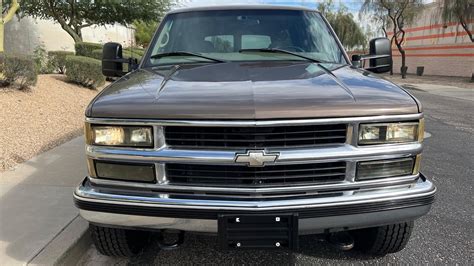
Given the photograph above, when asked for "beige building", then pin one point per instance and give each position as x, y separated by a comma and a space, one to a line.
441, 48
25, 35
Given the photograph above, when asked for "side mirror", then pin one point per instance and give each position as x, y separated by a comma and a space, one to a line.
112, 60
380, 56
357, 60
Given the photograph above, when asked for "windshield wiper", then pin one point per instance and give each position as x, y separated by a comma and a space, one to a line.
281, 51
182, 53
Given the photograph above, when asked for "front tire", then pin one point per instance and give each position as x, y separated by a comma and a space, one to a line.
383, 240
118, 242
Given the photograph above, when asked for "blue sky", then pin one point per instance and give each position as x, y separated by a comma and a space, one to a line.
352, 5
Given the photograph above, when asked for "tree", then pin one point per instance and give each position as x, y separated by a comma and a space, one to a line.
348, 31
8, 11
144, 32
458, 10
74, 15
399, 13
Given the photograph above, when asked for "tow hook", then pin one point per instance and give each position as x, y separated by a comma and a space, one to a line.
341, 240
179, 236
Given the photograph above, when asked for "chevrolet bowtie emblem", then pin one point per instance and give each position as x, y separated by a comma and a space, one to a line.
256, 158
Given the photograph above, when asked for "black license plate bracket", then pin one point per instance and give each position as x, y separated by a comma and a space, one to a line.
258, 231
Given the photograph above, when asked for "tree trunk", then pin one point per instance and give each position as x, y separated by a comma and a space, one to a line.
76, 35
11, 12
466, 28
1, 36
391, 45
74, 32
403, 69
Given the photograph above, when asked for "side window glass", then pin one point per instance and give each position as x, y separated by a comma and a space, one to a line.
221, 43
255, 41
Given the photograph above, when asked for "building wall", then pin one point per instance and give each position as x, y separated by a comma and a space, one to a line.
441, 48
23, 36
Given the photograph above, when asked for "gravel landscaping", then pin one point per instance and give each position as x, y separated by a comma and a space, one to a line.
34, 121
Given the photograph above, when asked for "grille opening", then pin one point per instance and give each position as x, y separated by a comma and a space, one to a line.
255, 137
243, 176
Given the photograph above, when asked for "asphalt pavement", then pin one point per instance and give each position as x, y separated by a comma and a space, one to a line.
444, 236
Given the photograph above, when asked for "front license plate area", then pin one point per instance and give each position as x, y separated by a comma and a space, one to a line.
258, 231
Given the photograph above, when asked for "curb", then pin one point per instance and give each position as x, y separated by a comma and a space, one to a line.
67, 247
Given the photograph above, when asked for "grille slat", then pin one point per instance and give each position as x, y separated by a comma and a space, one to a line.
258, 134
243, 176
255, 137
270, 171
264, 140
261, 177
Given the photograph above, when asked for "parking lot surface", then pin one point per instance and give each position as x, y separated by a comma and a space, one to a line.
444, 236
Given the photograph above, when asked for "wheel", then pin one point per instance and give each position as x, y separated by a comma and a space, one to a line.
118, 242
383, 240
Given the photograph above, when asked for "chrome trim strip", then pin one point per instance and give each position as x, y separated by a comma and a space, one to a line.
247, 123
306, 225
343, 152
346, 185
420, 189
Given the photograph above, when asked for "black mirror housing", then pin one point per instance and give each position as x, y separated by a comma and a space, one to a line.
380, 48
112, 60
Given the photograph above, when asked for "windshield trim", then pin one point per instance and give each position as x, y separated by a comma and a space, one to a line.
147, 55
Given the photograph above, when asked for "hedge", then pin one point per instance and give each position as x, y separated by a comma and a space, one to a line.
137, 51
57, 59
97, 54
20, 70
85, 71
86, 48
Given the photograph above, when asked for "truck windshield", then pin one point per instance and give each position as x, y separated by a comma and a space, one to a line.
221, 34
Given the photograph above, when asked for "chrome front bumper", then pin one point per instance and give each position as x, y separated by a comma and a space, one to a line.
338, 211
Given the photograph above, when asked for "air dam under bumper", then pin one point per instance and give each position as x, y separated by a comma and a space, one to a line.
347, 210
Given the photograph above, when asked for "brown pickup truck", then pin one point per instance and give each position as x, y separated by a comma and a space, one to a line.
252, 123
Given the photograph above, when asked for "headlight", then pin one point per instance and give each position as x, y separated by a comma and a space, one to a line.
390, 133
384, 168
126, 136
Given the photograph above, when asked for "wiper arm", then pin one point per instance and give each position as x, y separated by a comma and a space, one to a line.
281, 51
182, 53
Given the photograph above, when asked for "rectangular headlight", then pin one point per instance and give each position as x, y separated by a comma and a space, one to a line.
124, 136
388, 133
126, 171
384, 168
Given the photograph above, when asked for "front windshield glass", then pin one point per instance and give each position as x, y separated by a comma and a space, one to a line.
222, 34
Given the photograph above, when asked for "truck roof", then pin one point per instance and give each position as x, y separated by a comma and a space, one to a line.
237, 7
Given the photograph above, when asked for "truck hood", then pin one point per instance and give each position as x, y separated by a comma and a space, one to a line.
262, 90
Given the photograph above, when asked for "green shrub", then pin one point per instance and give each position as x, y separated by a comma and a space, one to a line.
57, 60
127, 54
40, 56
2, 59
97, 54
86, 48
85, 71
3, 82
19, 70
137, 51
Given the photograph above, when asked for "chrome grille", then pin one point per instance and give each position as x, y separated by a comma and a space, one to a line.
243, 176
255, 137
